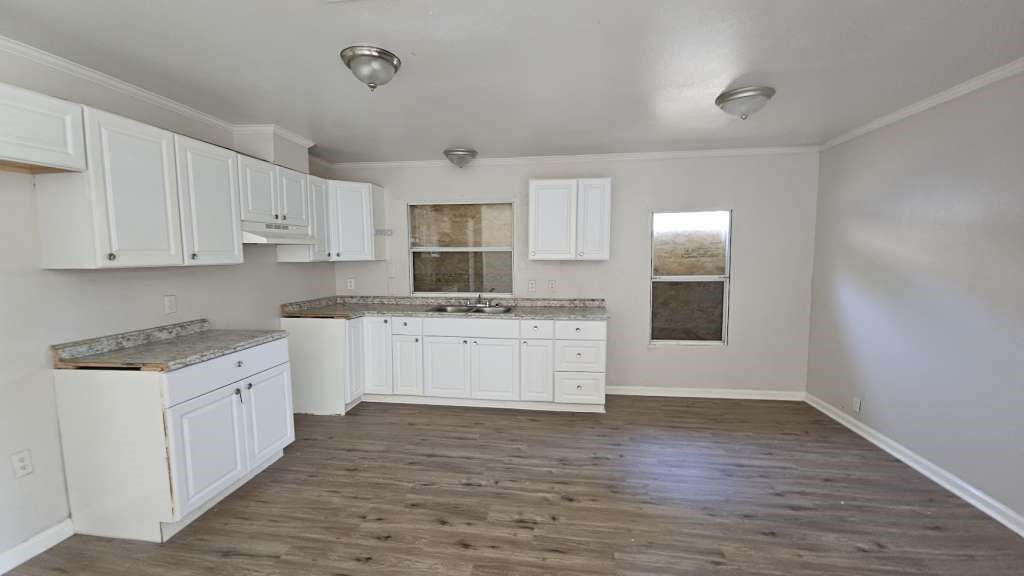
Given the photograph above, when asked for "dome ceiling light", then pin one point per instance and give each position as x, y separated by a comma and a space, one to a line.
460, 156
745, 101
371, 65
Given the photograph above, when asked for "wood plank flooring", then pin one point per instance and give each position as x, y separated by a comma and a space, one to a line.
655, 487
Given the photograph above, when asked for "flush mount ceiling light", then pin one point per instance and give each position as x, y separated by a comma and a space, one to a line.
745, 101
371, 65
460, 156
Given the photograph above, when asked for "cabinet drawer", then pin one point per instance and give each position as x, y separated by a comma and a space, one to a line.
579, 356
407, 326
534, 329
471, 327
584, 330
579, 387
198, 379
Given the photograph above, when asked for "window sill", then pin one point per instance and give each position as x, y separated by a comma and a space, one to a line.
685, 344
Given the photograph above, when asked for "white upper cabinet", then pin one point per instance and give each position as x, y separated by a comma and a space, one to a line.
357, 212
570, 219
553, 219
208, 195
293, 197
593, 219
38, 130
259, 190
121, 212
319, 219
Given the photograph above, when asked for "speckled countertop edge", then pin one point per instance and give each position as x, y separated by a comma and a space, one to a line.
350, 307
163, 348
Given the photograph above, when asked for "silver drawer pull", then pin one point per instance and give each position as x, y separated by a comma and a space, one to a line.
579, 330
579, 386
239, 364
579, 355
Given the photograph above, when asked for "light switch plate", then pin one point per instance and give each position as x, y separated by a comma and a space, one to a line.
857, 404
170, 304
552, 284
350, 284
22, 463
531, 285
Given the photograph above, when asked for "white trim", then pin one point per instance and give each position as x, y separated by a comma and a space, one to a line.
35, 545
973, 496
474, 403
272, 130
578, 158
725, 393
962, 89
64, 65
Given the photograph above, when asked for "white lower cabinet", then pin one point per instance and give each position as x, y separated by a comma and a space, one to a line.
445, 366
579, 387
377, 355
494, 369
208, 446
145, 453
407, 369
536, 373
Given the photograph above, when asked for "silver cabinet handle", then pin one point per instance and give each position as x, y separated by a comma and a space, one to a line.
277, 216
465, 341
248, 386
533, 253
405, 323
580, 254
579, 386
535, 327
285, 217
195, 256
385, 320
579, 330
578, 355
524, 342
238, 392
415, 339
111, 256
475, 342
239, 364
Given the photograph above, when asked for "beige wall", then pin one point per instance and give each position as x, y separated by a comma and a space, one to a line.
38, 308
773, 198
918, 279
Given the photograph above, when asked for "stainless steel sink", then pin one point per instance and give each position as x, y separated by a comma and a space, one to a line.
460, 309
453, 309
495, 309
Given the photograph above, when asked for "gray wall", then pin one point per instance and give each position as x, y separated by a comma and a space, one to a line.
39, 308
918, 278
773, 197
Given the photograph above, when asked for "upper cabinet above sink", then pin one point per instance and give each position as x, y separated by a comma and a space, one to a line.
40, 131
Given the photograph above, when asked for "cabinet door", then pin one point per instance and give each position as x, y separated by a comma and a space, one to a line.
258, 180
40, 130
318, 220
208, 193
357, 360
136, 192
445, 366
494, 369
553, 219
353, 221
208, 446
537, 370
593, 219
377, 354
268, 408
293, 194
407, 353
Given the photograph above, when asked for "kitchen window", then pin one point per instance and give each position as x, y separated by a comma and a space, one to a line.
690, 277
461, 248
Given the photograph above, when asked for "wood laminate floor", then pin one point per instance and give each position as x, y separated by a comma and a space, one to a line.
655, 487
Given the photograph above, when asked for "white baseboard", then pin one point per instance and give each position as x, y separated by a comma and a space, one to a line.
727, 393
997, 510
35, 545
474, 403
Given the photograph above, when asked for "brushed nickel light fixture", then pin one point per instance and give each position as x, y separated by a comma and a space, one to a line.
744, 101
460, 156
371, 65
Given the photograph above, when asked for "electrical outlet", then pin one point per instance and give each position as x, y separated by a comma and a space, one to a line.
22, 463
857, 402
170, 304
350, 284
531, 285
552, 285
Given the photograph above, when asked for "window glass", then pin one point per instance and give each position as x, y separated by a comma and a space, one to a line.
688, 311
466, 272
461, 248
460, 225
690, 243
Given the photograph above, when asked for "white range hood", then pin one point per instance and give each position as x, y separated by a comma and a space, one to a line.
259, 233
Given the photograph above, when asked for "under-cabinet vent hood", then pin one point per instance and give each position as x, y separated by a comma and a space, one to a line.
258, 233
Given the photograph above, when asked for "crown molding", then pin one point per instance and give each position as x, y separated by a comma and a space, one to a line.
962, 89
584, 158
271, 129
31, 53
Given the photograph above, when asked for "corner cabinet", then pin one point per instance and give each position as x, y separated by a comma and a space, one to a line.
40, 131
570, 219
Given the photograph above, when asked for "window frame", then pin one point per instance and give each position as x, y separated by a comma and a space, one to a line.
726, 279
409, 249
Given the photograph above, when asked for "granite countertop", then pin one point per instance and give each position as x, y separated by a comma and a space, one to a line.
160, 349
349, 307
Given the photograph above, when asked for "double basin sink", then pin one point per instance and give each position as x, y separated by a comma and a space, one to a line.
464, 309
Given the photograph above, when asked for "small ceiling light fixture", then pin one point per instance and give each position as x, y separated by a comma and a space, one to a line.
371, 65
744, 101
460, 156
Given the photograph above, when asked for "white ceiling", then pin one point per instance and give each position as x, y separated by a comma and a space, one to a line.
533, 77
